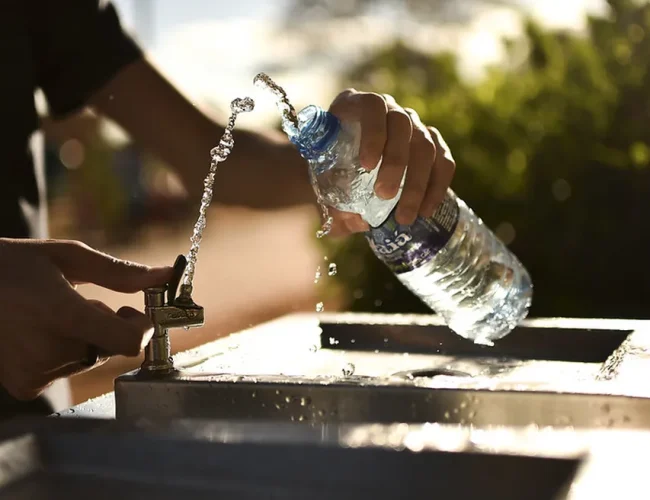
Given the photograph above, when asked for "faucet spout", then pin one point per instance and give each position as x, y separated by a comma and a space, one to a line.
167, 312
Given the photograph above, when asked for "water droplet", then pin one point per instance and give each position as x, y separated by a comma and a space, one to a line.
317, 275
321, 413
186, 328
463, 404
277, 406
242, 105
348, 370
447, 416
301, 418
288, 399
313, 348
304, 401
253, 394
325, 230
320, 307
332, 269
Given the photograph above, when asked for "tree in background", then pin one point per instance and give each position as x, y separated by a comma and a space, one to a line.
442, 10
552, 148
324, 45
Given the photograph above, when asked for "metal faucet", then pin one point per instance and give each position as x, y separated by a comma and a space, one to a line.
166, 312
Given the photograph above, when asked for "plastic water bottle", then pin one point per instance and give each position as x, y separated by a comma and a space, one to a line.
451, 261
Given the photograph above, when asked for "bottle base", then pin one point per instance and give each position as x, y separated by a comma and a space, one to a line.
501, 319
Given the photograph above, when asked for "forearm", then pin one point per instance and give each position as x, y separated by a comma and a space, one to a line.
264, 170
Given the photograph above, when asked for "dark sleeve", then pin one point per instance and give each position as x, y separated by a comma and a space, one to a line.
78, 46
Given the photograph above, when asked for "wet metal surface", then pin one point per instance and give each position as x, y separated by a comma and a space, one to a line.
371, 368
102, 459
558, 412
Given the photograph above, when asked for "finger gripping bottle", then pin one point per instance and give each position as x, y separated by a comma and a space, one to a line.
451, 260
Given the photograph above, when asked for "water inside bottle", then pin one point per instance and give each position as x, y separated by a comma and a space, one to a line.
218, 154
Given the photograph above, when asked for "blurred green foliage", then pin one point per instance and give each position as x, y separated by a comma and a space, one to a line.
552, 147
438, 10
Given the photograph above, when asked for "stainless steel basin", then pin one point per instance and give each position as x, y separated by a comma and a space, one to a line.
370, 368
353, 401
69, 459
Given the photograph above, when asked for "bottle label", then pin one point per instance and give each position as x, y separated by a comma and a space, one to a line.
405, 248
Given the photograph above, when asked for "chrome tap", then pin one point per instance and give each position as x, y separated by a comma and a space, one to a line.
166, 312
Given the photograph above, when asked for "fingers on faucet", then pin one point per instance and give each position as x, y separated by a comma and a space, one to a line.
80, 263
126, 332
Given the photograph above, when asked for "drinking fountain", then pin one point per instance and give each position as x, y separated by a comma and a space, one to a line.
167, 310
405, 368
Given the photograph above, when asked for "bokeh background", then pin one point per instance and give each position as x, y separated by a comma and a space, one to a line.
545, 105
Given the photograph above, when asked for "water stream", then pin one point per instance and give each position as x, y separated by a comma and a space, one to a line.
218, 154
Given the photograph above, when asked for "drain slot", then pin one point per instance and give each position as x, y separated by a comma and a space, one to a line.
431, 372
578, 345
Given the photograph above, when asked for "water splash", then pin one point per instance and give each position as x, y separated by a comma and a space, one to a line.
317, 275
348, 370
218, 154
289, 115
320, 307
290, 126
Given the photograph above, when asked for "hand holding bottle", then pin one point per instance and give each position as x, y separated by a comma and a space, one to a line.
392, 139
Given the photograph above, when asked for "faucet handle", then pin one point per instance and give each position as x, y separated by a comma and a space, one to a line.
179, 270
